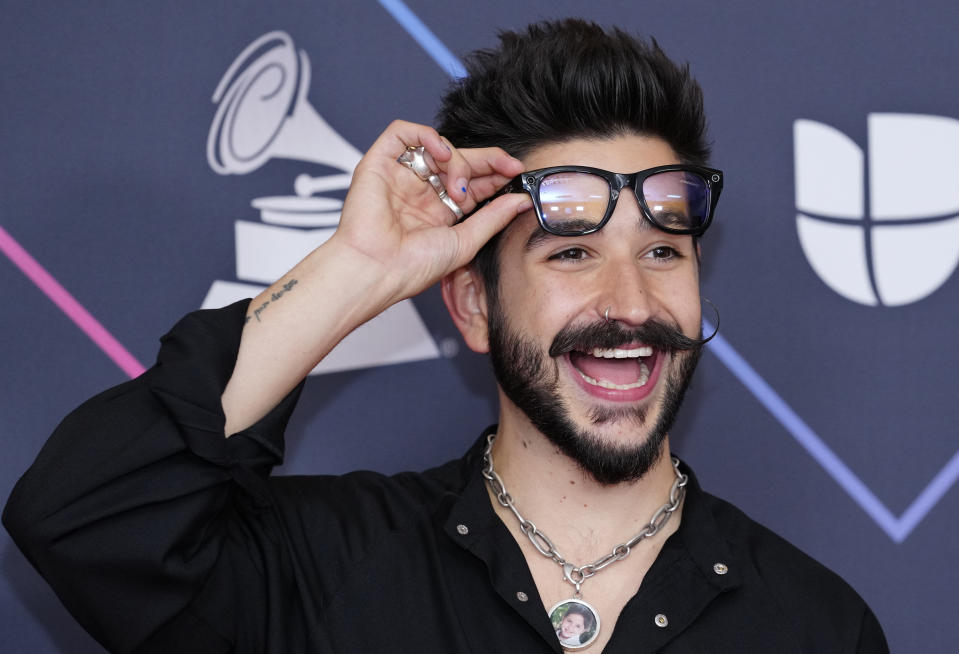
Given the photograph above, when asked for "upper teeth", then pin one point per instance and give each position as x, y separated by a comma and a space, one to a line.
616, 353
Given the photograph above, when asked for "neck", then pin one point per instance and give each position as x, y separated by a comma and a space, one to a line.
582, 517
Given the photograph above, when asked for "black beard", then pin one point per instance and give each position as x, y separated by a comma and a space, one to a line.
526, 377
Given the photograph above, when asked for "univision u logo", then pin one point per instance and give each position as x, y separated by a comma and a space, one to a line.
887, 234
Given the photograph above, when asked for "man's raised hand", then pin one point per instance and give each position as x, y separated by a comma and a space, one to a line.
395, 239
398, 223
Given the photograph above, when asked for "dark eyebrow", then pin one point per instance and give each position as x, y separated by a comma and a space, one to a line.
540, 235
537, 238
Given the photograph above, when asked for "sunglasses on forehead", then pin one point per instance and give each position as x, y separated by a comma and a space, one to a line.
579, 200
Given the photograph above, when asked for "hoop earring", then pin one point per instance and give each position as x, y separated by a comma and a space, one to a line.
716, 325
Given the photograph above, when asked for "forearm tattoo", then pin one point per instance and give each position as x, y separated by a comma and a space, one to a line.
276, 295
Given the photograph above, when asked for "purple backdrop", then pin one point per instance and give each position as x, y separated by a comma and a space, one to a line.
825, 410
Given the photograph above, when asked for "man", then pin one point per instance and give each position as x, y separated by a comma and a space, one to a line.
161, 535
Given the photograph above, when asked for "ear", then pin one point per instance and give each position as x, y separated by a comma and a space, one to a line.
465, 296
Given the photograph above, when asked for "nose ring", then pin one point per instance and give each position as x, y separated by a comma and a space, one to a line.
606, 315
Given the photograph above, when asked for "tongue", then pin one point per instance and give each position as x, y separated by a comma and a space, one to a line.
616, 371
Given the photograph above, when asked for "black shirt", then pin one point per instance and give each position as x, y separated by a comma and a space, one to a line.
159, 535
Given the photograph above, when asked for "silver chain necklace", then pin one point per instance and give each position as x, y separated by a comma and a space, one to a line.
573, 574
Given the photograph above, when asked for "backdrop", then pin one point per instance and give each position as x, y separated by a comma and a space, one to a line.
162, 156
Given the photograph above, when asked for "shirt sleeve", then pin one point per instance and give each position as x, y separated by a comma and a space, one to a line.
137, 498
872, 640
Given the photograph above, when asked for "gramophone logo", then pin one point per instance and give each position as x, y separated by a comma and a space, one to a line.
262, 113
903, 244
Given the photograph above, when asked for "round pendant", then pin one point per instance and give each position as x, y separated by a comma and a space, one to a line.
576, 623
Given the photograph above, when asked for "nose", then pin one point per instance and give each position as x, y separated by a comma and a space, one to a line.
625, 295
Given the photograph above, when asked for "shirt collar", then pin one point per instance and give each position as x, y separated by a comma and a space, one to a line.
472, 523
695, 565
698, 535
700, 538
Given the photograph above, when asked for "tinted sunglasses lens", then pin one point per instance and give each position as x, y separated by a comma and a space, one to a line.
677, 200
573, 202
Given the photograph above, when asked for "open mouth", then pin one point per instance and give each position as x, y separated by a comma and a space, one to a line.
621, 369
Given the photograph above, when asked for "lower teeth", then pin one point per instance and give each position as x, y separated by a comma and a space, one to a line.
643, 378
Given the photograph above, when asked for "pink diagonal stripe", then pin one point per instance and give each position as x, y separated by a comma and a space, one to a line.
68, 304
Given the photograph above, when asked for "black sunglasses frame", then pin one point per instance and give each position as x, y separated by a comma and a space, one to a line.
530, 181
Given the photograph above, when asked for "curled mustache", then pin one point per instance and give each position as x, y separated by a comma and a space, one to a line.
657, 334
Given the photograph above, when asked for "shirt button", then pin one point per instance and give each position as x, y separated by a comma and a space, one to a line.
521, 596
720, 568
462, 529
660, 620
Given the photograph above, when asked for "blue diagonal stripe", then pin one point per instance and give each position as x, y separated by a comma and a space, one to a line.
897, 528
929, 497
796, 426
425, 37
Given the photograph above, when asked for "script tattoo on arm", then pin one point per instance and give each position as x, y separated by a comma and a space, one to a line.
276, 295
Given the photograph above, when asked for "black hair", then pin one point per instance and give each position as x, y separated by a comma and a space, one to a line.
567, 79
